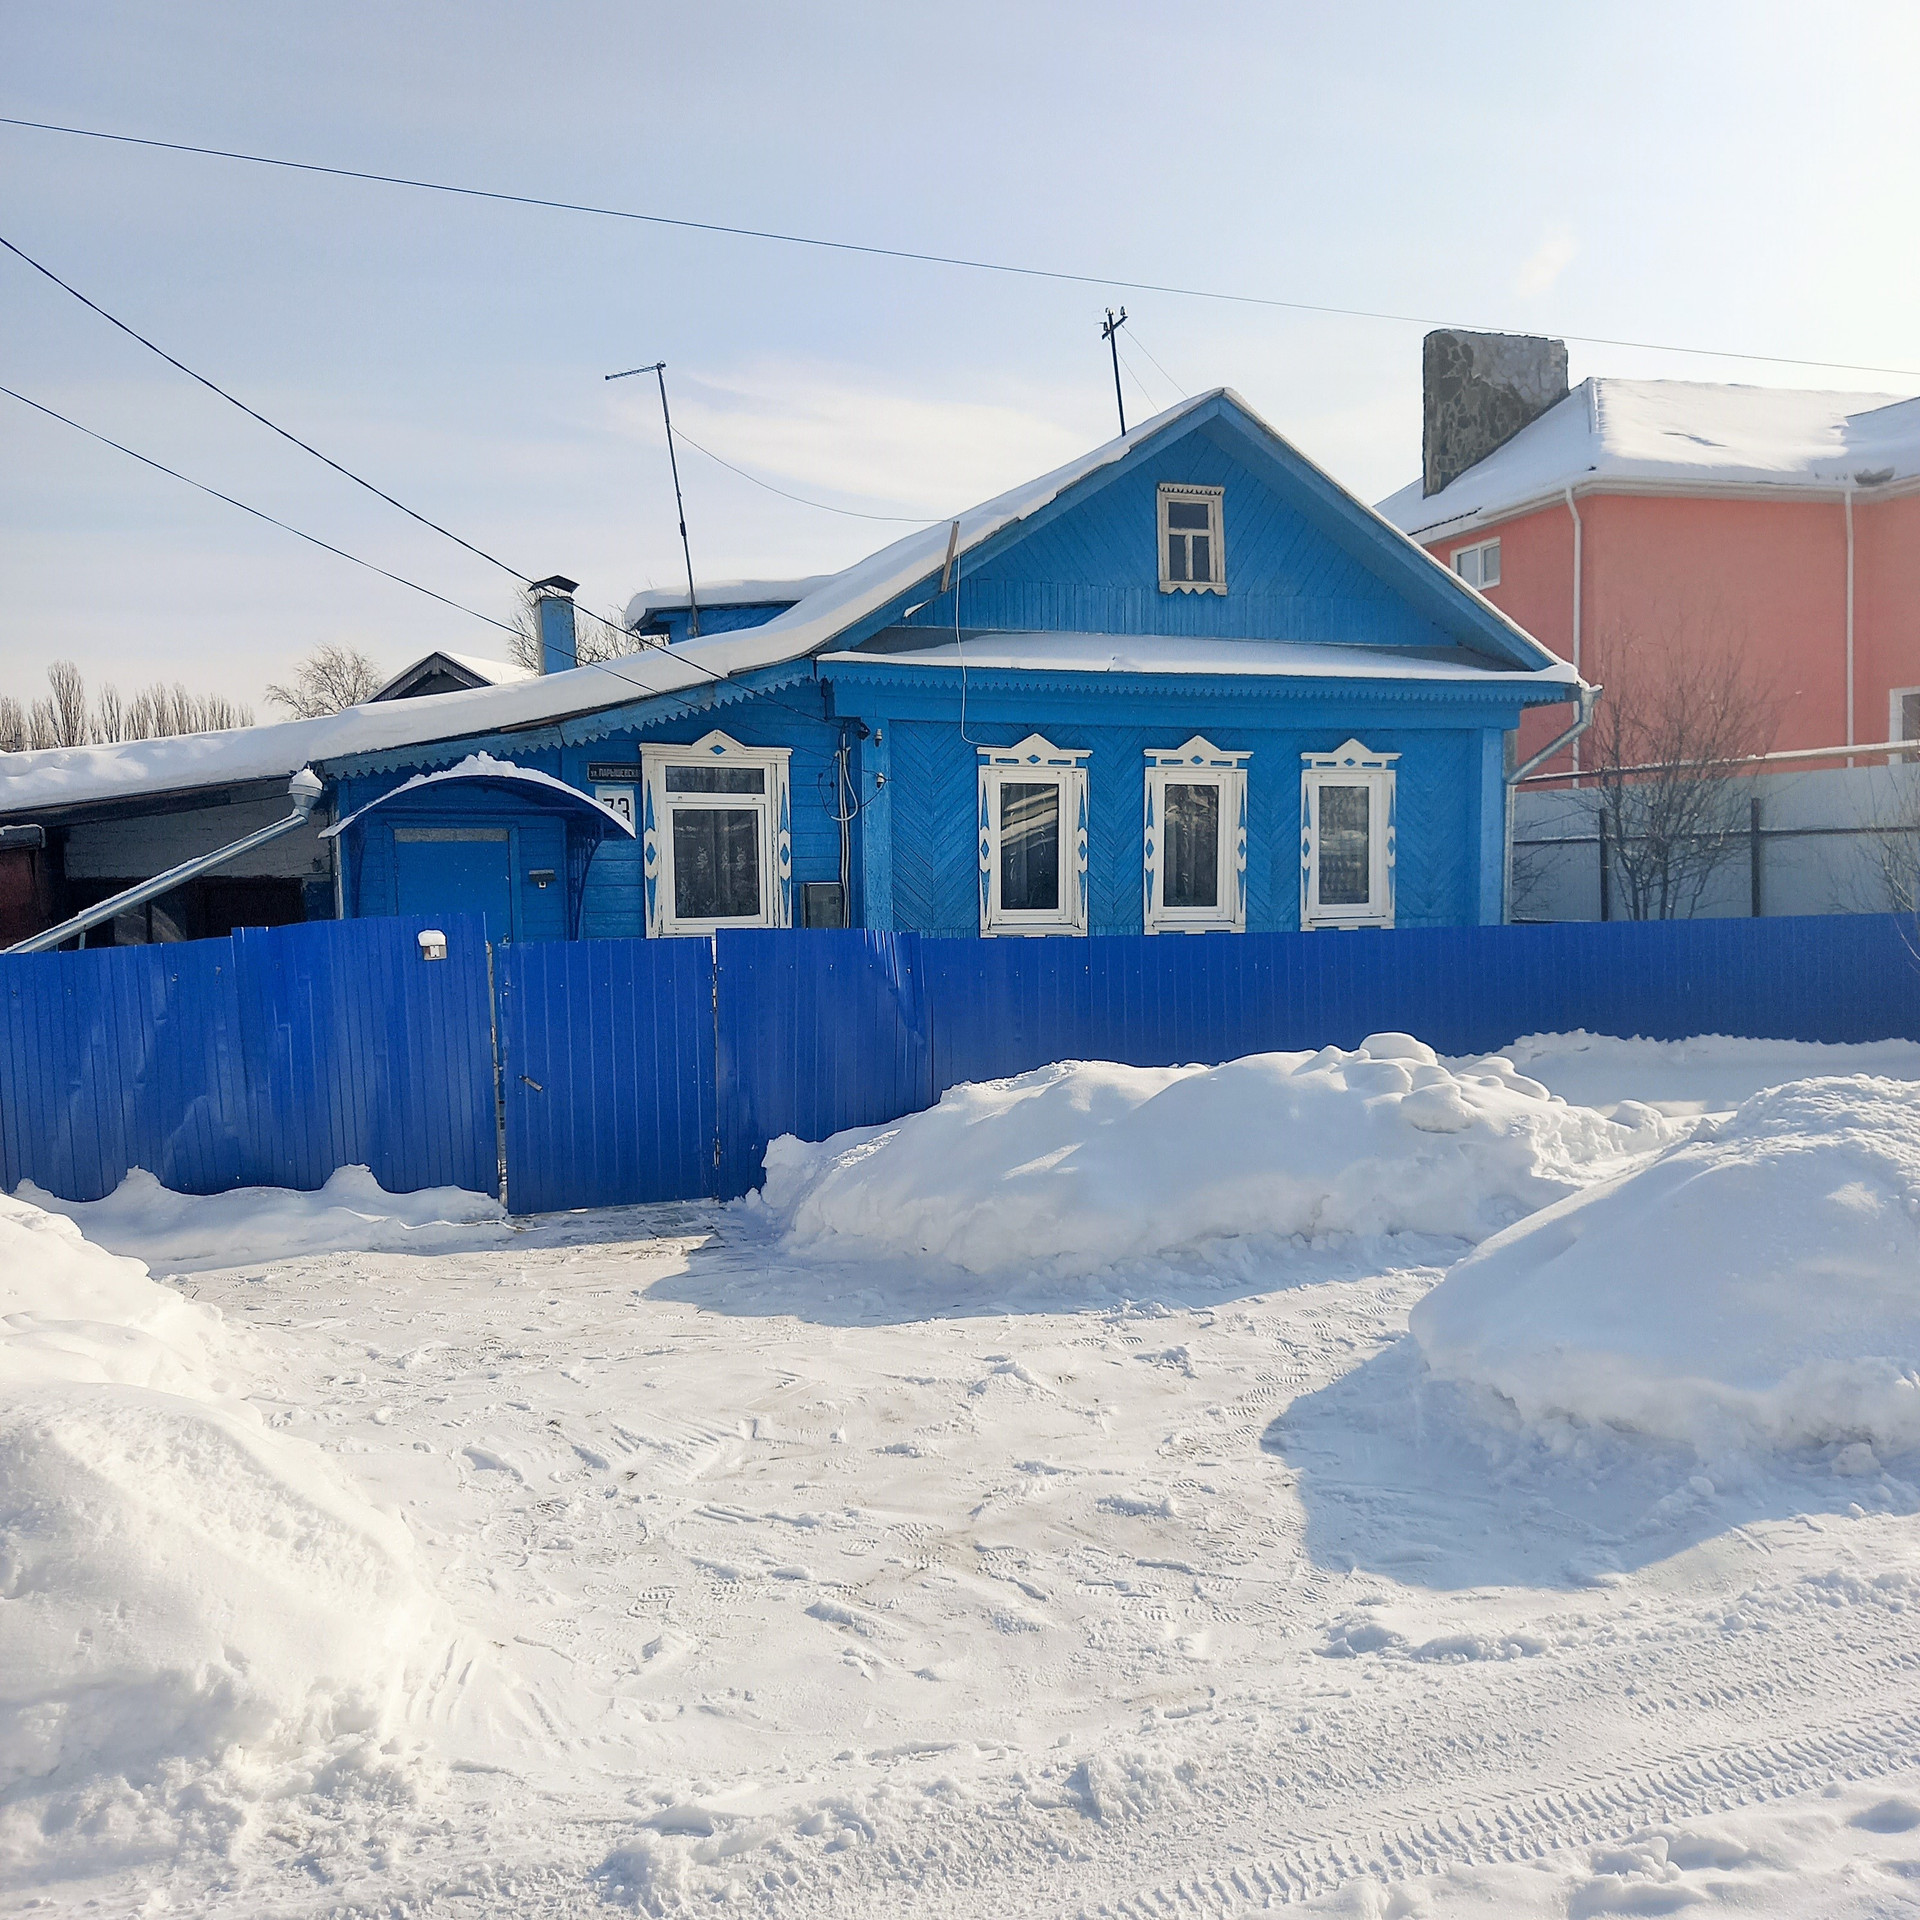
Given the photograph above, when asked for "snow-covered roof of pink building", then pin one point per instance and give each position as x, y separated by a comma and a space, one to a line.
1677, 434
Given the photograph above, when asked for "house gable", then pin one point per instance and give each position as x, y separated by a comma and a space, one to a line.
1305, 561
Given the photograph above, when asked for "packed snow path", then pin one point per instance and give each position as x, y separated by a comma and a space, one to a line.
868, 1591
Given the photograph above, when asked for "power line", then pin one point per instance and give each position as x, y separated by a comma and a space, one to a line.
875, 251
327, 546
897, 519
133, 333
1155, 358
311, 539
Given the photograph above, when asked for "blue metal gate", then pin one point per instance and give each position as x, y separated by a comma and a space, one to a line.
267, 1059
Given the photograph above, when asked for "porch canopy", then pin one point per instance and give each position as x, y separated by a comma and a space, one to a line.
481, 772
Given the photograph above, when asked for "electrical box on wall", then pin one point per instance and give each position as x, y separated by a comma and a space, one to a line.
823, 903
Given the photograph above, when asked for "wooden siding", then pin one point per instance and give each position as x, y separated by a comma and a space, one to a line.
614, 905
1094, 568
931, 792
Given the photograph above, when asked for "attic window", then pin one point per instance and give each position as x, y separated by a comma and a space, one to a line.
1193, 552
1479, 566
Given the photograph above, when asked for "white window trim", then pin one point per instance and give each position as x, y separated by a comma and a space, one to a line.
1198, 763
656, 836
1481, 548
1353, 764
1214, 498
1035, 760
1896, 697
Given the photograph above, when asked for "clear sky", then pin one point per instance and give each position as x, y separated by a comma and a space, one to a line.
1725, 176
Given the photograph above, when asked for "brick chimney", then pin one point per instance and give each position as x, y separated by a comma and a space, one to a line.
553, 608
1479, 390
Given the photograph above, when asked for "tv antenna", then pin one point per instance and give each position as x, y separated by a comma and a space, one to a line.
1110, 333
659, 369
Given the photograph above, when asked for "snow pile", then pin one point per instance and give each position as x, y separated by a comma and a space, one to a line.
1077, 1166
191, 1232
1710, 1073
1758, 1285
180, 1588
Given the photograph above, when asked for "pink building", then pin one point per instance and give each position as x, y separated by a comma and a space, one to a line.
1628, 515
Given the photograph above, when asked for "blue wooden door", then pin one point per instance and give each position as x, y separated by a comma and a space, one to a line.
448, 870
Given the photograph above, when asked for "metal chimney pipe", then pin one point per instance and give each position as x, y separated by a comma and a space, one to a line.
553, 608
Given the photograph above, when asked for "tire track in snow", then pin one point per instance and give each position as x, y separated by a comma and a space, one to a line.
1533, 1823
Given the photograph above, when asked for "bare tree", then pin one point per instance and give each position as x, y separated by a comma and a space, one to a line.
332, 677
594, 639
1887, 878
66, 718
1668, 739
70, 721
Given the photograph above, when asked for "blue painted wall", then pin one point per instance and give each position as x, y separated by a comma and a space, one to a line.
1303, 564
1092, 565
1448, 822
614, 906
676, 623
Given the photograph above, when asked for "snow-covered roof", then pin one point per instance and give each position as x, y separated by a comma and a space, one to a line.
479, 668
724, 593
1171, 653
496, 673
483, 767
71, 776
1679, 433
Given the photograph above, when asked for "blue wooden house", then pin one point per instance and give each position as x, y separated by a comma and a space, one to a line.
1186, 684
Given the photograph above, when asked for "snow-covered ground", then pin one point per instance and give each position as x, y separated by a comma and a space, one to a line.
755, 1560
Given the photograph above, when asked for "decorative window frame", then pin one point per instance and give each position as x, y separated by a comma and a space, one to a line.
1351, 765
1214, 499
1198, 763
1470, 563
1035, 760
656, 837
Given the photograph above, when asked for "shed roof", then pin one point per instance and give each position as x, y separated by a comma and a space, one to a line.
1676, 433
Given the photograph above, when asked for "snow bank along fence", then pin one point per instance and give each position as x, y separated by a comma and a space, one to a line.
607, 1071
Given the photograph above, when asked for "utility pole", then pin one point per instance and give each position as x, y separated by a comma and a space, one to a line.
1110, 333
659, 368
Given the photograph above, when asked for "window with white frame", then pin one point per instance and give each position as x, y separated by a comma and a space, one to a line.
1033, 838
1195, 847
1478, 566
1903, 714
716, 846
1346, 838
1193, 548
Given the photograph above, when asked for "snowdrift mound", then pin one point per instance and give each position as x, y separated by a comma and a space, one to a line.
1759, 1284
192, 1232
1710, 1073
179, 1586
1074, 1167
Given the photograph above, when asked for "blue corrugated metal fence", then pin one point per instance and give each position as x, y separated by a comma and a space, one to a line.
607, 1071
268, 1059
636, 1070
